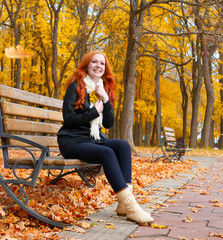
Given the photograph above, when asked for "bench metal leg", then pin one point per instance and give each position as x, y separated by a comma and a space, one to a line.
86, 174
159, 154
29, 210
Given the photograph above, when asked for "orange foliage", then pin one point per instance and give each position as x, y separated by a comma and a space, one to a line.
73, 201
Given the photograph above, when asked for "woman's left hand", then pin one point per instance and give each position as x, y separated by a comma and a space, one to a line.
100, 91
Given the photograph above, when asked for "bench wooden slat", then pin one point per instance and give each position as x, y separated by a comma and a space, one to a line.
168, 129
53, 160
20, 95
171, 134
48, 141
17, 125
31, 112
172, 139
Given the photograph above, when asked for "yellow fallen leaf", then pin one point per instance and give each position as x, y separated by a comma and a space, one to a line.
133, 236
155, 225
110, 226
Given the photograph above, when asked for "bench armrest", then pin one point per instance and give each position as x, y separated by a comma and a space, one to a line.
21, 139
37, 163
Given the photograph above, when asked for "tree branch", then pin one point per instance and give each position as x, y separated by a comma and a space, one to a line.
165, 60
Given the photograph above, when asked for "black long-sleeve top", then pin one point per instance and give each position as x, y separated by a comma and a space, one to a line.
77, 122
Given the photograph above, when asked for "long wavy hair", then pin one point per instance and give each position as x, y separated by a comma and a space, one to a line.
80, 73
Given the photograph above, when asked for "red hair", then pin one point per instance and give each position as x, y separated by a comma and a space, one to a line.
80, 73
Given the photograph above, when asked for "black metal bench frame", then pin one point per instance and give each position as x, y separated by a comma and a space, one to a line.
86, 171
169, 149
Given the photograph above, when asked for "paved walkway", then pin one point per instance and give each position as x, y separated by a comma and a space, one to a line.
194, 212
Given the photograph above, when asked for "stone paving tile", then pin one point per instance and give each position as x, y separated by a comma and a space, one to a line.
216, 223
199, 233
150, 232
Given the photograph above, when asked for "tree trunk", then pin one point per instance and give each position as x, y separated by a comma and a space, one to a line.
205, 136
158, 99
197, 83
13, 16
148, 134
221, 97
129, 73
184, 104
209, 93
54, 37
136, 129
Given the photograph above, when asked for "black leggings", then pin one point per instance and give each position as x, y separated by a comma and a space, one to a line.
113, 154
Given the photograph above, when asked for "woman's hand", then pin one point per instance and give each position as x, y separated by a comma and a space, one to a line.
100, 91
99, 106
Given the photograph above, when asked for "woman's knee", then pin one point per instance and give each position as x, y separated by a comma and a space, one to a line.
124, 144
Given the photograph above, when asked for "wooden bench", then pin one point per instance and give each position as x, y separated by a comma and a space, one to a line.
30, 122
170, 149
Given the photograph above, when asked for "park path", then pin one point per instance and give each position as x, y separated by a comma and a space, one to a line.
187, 208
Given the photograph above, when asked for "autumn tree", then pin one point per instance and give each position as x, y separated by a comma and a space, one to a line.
13, 9
137, 11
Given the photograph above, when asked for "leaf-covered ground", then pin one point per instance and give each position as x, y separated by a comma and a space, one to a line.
72, 201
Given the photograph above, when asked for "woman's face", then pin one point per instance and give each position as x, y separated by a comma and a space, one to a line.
96, 67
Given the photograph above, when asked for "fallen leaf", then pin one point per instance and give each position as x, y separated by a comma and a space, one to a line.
216, 235
133, 236
188, 219
2, 212
183, 238
84, 225
110, 226
100, 221
199, 206
195, 210
158, 206
155, 225
219, 204
204, 192
30, 236
214, 201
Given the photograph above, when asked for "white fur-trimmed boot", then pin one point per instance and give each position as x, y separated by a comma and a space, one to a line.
133, 211
120, 210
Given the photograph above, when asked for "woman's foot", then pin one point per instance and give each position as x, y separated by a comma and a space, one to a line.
133, 211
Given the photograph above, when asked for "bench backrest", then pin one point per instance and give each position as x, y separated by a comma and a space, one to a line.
29, 115
168, 135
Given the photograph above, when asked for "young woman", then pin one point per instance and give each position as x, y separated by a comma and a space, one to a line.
88, 105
